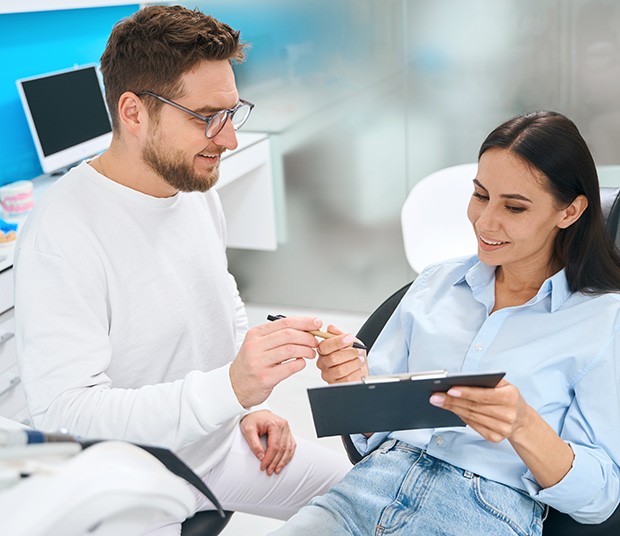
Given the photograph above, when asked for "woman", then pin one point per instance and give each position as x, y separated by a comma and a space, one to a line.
540, 302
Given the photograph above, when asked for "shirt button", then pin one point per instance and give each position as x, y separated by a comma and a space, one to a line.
439, 440
478, 347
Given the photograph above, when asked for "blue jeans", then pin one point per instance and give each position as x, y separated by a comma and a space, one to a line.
401, 490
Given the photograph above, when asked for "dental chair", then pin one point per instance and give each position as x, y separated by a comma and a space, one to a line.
107, 489
434, 217
99, 488
205, 523
451, 183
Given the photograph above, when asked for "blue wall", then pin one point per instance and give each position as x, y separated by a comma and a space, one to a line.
36, 43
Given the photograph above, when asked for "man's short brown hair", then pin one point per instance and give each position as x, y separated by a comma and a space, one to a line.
153, 48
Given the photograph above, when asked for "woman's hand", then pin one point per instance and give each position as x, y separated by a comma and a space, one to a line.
339, 361
502, 413
496, 414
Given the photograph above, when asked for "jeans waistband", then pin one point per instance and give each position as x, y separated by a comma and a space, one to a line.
422, 455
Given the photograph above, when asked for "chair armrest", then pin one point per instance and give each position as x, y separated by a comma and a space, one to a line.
349, 447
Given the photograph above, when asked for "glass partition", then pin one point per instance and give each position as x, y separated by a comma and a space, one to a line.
363, 98
327, 80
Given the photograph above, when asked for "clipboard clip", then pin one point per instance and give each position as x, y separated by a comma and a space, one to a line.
386, 378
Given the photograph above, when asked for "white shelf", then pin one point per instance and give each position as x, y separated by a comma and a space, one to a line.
245, 188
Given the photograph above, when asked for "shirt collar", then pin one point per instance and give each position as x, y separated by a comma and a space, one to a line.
477, 275
482, 275
559, 289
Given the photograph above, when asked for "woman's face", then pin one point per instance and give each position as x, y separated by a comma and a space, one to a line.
514, 216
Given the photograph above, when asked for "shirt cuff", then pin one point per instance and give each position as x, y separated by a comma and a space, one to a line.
366, 445
260, 407
213, 398
583, 482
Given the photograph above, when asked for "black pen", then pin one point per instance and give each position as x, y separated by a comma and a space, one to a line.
319, 333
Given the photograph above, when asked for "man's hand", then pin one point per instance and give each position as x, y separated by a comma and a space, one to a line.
270, 353
280, 442
339, 361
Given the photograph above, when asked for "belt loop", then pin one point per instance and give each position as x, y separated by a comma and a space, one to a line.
387, 445
468, 474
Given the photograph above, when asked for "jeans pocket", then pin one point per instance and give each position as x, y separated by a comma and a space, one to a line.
513, 507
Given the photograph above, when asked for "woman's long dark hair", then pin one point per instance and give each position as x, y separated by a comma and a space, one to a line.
552, 143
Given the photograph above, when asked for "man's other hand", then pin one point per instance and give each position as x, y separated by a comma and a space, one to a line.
280, 444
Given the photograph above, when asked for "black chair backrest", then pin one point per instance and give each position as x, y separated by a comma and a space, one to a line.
556, 524
369, 332
610, 203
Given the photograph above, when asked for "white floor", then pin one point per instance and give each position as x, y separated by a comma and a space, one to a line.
290, 400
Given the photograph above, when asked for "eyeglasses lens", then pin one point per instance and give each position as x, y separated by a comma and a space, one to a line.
238, 117
216, 124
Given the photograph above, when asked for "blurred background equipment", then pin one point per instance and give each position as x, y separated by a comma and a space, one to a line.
359, 99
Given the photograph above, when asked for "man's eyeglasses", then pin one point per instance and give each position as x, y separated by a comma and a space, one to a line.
215, 122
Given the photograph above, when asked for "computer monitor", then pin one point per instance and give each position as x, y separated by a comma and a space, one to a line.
67, 115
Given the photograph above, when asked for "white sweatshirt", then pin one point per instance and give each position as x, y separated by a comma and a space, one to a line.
127, 317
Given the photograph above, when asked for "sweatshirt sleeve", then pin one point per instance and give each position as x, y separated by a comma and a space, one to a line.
242, 328
64, 351
240, 315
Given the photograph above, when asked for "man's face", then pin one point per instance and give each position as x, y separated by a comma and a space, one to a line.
177, 148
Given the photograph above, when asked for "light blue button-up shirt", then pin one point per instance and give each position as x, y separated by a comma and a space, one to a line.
561, 350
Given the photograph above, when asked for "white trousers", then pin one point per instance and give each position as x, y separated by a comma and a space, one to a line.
240, 485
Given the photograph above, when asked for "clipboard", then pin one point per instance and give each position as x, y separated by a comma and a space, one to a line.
389, 403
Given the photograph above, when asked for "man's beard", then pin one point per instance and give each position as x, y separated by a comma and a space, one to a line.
173, 168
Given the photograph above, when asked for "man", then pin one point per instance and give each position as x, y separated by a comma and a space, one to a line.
129, 324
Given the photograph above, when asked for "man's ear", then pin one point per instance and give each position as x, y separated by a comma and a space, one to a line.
573, 211
132, 113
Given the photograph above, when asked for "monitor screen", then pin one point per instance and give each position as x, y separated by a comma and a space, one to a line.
67, 116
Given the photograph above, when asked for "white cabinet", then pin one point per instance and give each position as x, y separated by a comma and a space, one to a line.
6, 288
246, 190
12, 398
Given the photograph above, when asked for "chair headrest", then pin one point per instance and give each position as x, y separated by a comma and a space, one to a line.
610, 204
